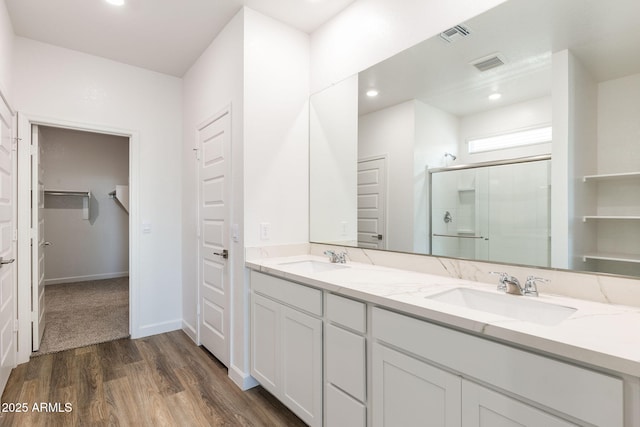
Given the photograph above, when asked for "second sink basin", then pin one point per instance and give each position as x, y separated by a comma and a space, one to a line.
312, 266
515, 307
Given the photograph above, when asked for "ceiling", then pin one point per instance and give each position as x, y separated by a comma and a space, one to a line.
160, 35
603, 35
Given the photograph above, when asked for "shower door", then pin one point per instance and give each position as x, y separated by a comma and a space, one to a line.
494, 213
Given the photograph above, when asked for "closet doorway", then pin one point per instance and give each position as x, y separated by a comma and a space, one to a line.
80, 257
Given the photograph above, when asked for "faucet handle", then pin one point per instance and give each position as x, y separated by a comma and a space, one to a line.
336, 257
502, 286
530, 286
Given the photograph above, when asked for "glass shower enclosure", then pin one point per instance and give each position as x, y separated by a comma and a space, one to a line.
493, 212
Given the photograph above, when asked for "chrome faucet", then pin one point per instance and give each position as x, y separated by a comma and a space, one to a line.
340, 257
530, 287
511, 285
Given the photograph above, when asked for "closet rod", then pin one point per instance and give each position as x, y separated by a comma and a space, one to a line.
67, 193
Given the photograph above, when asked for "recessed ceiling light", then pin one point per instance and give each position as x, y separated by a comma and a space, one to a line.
116, 2
372, 93
495, 96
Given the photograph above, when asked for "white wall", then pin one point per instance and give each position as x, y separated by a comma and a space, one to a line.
584, 156
510, 118
6, 50
563, 64
84, 249
436, 134
276, 131
369, 31
333, 162
75, 87
259, 66
619, 125
213, 83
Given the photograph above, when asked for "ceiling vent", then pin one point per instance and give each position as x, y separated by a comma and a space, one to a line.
455, 33
489, 62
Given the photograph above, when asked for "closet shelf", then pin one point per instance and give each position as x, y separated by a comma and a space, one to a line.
86, 196
121, 195
612, 257
67, 193
610, 176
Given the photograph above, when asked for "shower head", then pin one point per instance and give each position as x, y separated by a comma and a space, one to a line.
450, 155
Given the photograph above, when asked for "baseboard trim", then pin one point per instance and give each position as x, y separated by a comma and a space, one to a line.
158, 328
242, 379
74, 279
190, 331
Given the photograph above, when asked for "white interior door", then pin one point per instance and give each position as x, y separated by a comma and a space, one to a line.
214, 155
371, 204
37, 242
8, 280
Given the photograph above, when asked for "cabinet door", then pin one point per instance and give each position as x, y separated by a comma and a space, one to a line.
302, 365
342, 410
265, 342
482, 407
409, 392
345, 355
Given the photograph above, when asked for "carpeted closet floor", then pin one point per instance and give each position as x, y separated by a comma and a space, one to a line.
85, 313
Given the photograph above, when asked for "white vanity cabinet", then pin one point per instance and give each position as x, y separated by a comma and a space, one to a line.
345, 362
420, 369
286, 343
482, 407
410, 392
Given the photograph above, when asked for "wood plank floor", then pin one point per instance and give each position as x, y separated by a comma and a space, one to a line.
163, 380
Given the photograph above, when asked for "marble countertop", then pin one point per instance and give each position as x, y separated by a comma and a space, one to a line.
603, 335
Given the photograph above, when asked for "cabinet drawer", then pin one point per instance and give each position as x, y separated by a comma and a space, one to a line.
343, 410
294, 294
345, 361
347, 312
587, 395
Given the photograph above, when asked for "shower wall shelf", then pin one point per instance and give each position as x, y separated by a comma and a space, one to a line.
121, 195
86, 196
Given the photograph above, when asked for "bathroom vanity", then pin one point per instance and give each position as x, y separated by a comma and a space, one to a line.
365, 345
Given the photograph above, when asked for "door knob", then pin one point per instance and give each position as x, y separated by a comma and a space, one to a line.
47, 244
3, 262
224, 254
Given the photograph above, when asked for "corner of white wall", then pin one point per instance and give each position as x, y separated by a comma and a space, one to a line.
6, 51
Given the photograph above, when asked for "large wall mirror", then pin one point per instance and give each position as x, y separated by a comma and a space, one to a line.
513, 137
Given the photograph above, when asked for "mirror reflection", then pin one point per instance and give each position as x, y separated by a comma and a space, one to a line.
430, 130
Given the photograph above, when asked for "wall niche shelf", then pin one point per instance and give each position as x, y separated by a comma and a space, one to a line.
610, 176
610, 197
613, 217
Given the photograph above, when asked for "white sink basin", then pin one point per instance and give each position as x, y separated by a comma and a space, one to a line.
312, 266
513, 306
